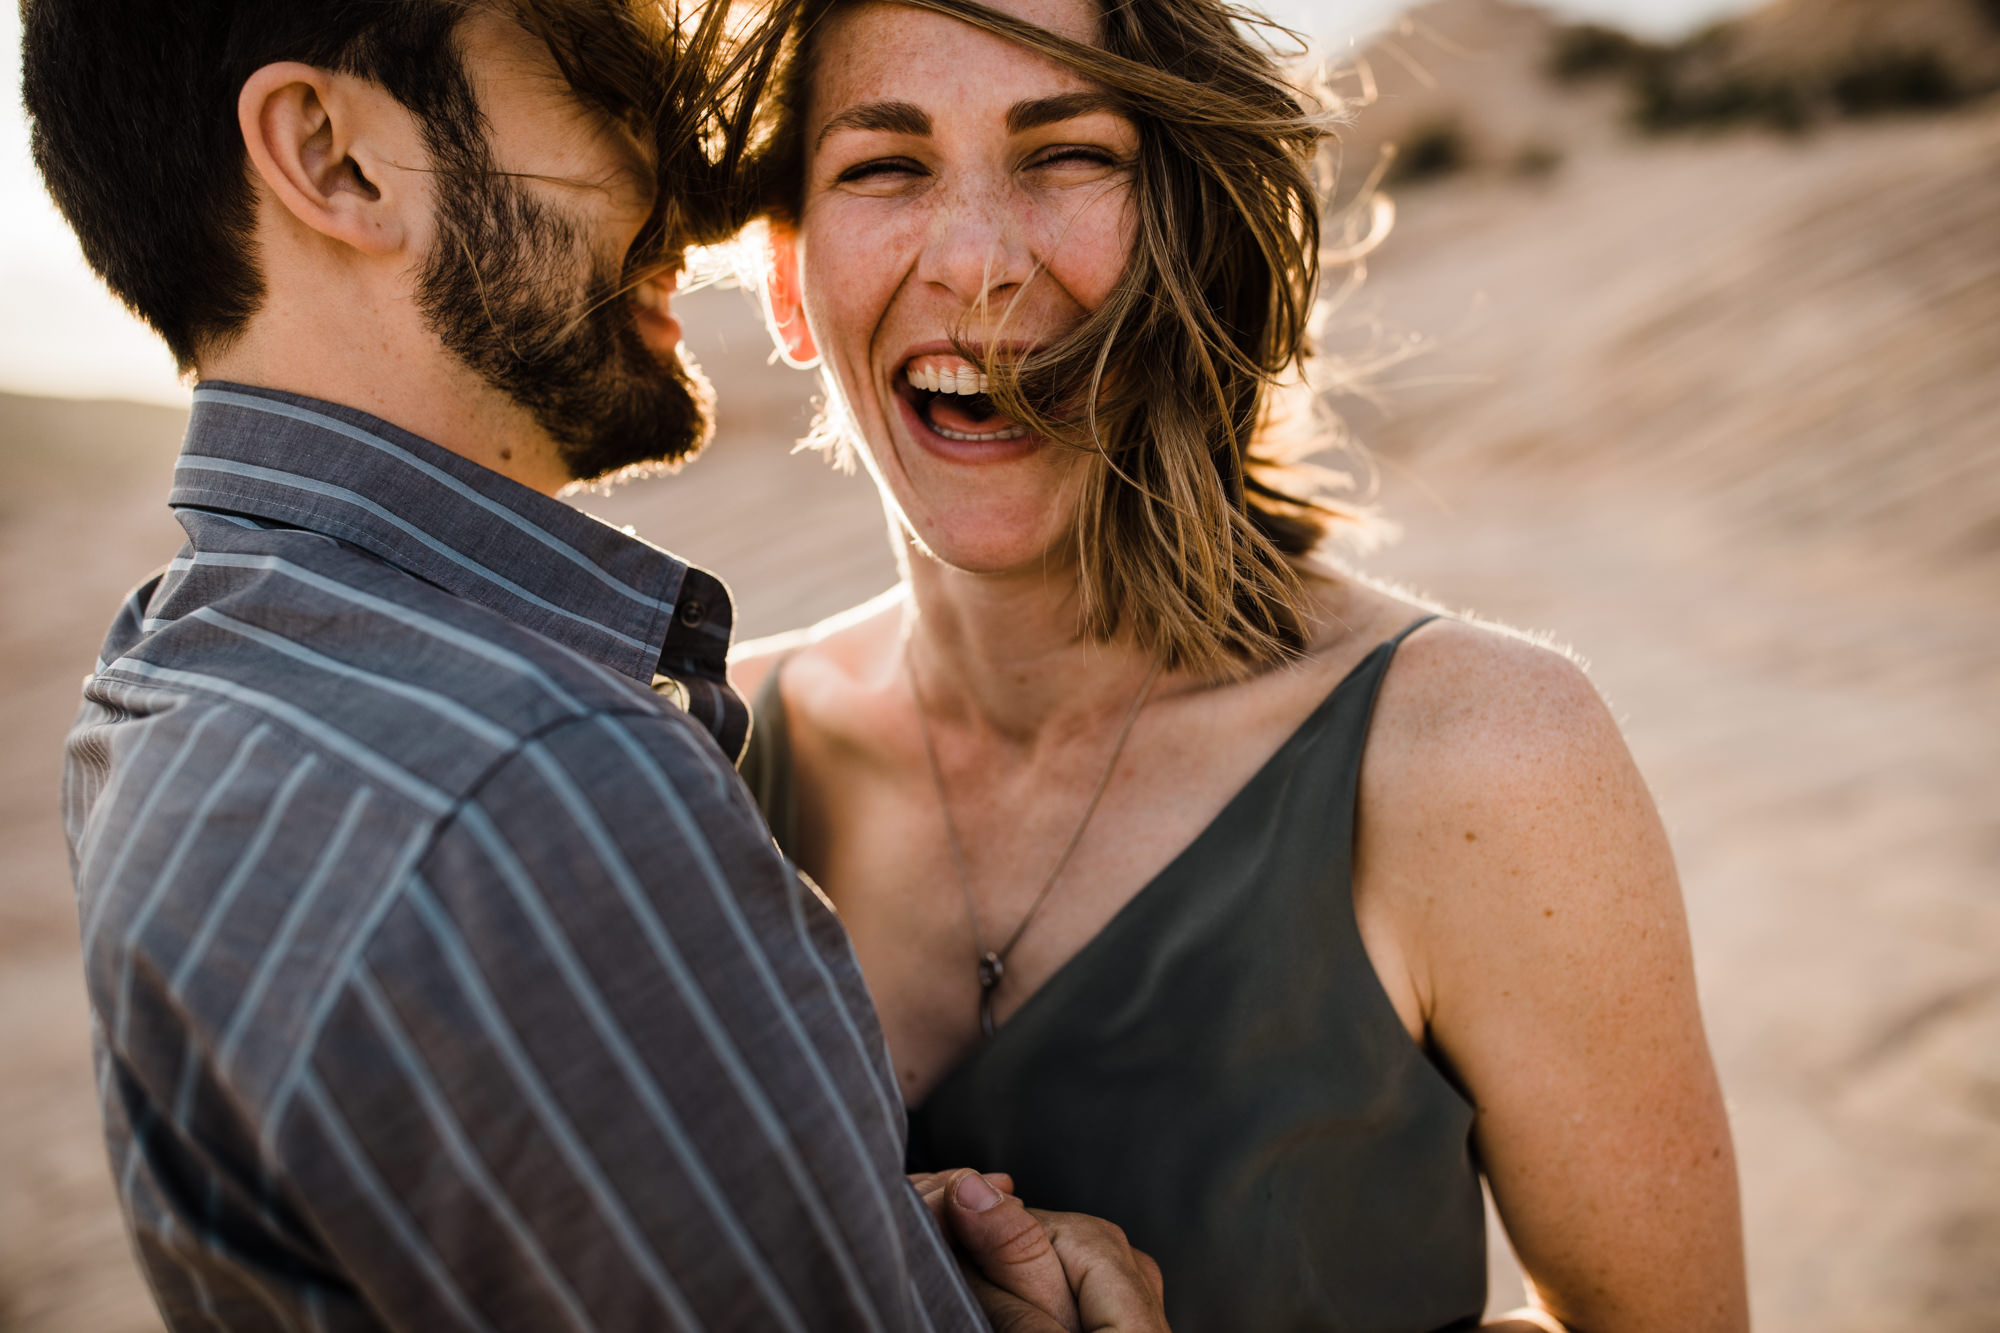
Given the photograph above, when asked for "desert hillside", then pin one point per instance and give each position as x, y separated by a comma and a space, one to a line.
1717, 409
1860, 262
1819, 42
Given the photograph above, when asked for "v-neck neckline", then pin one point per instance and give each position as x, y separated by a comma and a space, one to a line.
1151, 890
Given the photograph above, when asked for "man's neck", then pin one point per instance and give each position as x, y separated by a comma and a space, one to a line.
410, 382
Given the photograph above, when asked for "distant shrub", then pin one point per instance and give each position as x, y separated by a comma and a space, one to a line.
1710, 40
1432, 150
1785, 108
1658, 104
1537, 161
1663, 104
1886, 81
1588, 50
1698, 85
1668, 93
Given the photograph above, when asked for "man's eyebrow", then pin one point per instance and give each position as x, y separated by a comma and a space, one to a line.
1050, 110
895, 117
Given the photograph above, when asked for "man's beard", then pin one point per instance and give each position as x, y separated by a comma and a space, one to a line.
500, 288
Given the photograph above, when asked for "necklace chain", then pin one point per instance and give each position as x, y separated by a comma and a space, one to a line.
993, 962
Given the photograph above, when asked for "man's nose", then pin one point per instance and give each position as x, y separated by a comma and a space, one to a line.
976, 249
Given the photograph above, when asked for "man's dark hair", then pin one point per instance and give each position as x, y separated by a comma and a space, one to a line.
133, 104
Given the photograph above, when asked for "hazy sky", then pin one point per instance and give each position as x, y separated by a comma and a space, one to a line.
61, 334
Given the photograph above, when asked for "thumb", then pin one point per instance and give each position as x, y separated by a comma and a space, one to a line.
1006, 1246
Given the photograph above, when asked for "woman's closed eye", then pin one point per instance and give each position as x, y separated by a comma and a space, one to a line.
882, 173
1064, 163
1072, 157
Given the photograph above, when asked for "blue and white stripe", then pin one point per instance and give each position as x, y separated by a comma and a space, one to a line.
440, 975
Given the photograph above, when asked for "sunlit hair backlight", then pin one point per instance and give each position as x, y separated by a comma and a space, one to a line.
1192, 524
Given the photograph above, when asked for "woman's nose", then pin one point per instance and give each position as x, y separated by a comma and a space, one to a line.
975, 249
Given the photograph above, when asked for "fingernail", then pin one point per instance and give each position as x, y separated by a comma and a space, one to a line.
974, 1194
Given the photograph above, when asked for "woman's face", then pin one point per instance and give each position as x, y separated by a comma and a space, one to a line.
957, 185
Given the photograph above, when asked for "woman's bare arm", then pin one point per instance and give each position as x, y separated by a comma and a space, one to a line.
1511, 847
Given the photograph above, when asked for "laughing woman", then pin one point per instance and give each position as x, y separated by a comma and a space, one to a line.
1199, 885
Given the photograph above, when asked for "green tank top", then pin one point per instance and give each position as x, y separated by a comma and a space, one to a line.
1220, 1072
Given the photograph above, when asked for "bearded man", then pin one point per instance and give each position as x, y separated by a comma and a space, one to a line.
442, 974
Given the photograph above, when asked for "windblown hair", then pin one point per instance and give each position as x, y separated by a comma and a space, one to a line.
1193, 519
133, 104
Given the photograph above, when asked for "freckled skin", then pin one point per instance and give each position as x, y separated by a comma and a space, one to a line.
1512, 884
1600, 1124
1544, 961
904, 234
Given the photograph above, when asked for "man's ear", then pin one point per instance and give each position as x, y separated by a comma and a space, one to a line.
784, 306
321, 142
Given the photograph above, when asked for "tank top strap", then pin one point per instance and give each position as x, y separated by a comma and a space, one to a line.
1367, 687
1336, 731
1369, 675
1396, 642
1350, 708
1365, 682
766, 766
1321, 765
1221, 1072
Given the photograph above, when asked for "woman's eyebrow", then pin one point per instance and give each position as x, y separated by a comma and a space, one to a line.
1042, 111
895, 117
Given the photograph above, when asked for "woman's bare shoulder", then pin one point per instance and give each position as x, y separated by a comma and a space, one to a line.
1499, 799
1463, 691
1512, 859
842, 642
1493, 764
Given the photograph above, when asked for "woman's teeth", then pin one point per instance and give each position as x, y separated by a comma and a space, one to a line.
1012, 432
957, 394
945, 379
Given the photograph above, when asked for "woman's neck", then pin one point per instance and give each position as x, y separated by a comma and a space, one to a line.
1006, 652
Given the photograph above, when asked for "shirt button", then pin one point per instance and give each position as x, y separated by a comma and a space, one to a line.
672, 691
692, 612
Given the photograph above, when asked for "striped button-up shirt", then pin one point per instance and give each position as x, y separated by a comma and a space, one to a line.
443, 975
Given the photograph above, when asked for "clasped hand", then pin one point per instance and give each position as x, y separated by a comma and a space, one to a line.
1041, 1272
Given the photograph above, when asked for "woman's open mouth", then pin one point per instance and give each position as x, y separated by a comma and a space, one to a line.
949, 396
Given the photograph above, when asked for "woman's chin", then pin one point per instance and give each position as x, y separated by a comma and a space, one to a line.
987, 520
988, 507
989, 546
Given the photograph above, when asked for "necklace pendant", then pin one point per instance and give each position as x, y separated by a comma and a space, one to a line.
991, 969
986, 1012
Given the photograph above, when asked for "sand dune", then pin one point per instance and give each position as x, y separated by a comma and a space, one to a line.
1862, 270
1721, 413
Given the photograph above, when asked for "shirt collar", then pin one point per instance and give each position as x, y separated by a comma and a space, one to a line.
607, 594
